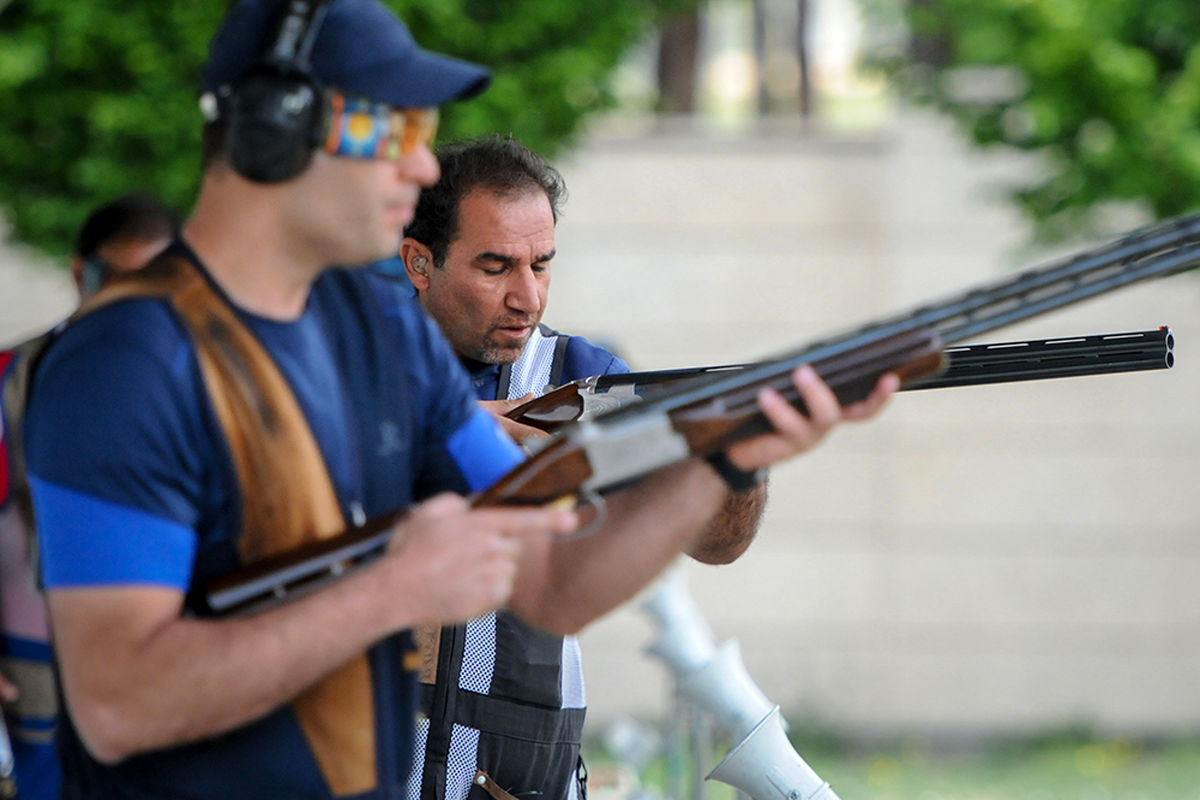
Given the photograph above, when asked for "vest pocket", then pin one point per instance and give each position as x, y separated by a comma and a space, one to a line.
509, 768
528, 663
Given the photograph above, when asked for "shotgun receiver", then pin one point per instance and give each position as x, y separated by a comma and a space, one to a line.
711, 412
966, 365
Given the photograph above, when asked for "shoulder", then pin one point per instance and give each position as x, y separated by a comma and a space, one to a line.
129, 359
145, 326
133, 348
583, 359
117, 409
378, 320
365, 291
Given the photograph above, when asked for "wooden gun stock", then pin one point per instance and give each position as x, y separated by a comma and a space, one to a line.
707, 421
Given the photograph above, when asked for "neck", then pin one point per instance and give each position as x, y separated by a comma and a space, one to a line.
238, 232
472, 365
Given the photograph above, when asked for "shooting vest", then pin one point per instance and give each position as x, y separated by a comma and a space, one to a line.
287, 496
504, 716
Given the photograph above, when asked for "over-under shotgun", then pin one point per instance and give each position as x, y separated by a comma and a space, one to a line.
709, 413
966, 365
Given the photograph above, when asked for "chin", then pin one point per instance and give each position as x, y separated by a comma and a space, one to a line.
498, 355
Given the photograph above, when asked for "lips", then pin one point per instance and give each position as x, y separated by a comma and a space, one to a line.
516, 330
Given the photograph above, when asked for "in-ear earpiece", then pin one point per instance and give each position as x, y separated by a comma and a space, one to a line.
418, 263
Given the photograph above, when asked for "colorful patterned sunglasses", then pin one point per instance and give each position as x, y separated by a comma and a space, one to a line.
360, 128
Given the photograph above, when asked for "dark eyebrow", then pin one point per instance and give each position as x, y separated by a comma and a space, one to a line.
495, 258
488, 256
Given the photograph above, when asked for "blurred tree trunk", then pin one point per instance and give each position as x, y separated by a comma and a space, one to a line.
678, 50
924, 47
806, 92
760, 56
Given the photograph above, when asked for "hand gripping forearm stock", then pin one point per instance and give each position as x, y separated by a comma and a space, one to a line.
711, 412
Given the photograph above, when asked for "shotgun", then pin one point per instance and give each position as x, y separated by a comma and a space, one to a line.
966, 365
707, 414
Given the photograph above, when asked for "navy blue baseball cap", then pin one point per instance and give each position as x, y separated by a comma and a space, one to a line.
361, 49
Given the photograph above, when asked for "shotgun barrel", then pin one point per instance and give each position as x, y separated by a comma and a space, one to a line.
967, 365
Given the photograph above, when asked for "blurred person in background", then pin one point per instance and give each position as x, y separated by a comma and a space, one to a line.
117, 238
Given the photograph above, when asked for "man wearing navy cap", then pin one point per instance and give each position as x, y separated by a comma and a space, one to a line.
239, 399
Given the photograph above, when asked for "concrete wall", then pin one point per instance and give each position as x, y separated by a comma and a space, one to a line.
977, 560
33, 294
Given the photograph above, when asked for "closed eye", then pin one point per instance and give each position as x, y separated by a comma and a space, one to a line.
494, 263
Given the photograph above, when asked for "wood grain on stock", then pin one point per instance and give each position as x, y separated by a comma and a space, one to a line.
316, 551
709, 425
552, 410
715, 424
552, 473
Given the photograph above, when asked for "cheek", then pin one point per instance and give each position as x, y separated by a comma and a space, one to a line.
454, 306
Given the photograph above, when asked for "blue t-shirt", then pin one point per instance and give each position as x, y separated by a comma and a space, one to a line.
133, 484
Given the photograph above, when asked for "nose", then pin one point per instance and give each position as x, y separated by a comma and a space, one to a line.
420, 166
524, 291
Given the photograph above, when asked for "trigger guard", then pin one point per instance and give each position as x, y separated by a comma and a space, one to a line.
591, 498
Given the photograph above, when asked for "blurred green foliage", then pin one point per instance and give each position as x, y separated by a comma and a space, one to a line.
99, 98
1107, 92
1046, 769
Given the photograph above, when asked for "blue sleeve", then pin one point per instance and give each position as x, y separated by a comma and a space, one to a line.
114, 444
482, 451
584, 359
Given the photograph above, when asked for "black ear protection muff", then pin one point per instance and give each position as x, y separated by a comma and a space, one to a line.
275, 115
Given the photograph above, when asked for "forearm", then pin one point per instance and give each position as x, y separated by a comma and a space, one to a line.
731, 531
165, 680
134, 685
563, 586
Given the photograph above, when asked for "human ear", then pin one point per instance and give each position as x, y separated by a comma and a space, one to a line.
417, 259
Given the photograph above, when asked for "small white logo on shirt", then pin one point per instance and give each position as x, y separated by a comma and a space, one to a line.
390, 441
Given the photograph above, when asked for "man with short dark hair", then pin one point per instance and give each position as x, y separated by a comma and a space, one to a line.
506, 708
239, 400
117, 238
